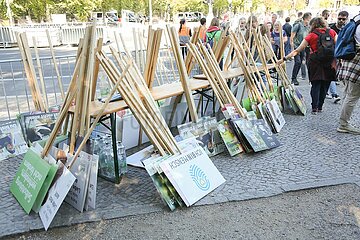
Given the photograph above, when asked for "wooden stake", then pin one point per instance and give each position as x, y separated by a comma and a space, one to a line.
55, 65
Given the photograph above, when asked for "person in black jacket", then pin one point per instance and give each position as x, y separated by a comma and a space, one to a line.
287, 28
341, 21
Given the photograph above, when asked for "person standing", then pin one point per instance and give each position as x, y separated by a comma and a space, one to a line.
297, 35
274, 18
342, 19
287, 28
275, 39
321, 72
349, 72
307, 51
241, 29
202, 30
325, 14
184, 37
213, 34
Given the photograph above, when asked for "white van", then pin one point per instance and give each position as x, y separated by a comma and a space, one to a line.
108, 17
188, 16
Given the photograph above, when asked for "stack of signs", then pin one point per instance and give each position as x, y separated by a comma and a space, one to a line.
248, 135
192, 174
37, 126
183, 179
82, 194
300, 101
40, 179
265, 132
231, 142
207, 134
164, 187
12, 142
270, 112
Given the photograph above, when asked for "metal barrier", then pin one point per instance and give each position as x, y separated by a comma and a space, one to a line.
71, 35
7, 36
15, 95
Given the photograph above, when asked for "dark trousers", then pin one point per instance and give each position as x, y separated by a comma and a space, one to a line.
276, 50
318, 93
297, 65
184, 51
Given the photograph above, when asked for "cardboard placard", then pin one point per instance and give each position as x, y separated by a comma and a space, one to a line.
12, 142
231, 142
90, 202
78, 191
56, 195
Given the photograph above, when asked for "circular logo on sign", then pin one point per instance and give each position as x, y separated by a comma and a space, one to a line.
199, 178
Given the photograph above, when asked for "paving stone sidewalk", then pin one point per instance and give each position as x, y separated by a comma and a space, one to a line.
312, 154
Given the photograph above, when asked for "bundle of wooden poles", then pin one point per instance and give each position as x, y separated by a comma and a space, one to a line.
137, 96
39, 97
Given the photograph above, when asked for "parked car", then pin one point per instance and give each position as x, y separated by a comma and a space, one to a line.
198, 15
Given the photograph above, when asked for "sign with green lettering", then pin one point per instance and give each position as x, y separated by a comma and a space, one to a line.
29, 179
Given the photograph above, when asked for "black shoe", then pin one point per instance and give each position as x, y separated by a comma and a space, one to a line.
296, 83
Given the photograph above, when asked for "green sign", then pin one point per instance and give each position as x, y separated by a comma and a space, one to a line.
29, 179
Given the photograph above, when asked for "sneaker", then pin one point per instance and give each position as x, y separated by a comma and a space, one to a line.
348, 129
336, 99
303, 78
328, 96
296, 83
314, 111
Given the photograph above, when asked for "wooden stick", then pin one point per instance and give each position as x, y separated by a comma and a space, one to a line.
263, 61
41, 76
55, 65
117, 40
96, 69
58, 123
184, 78
30, 71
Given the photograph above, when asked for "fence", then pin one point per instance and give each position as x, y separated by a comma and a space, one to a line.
66, 33
15, 96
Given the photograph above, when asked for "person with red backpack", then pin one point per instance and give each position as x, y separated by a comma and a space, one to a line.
321, 64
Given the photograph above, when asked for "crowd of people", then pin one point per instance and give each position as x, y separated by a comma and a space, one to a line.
308, 42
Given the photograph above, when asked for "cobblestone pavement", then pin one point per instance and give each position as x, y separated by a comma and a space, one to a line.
312, 154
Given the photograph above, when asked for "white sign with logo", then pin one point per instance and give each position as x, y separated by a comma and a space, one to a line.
192, 174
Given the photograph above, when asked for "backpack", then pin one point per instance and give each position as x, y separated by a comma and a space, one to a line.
345, 47
325, 48
210, 40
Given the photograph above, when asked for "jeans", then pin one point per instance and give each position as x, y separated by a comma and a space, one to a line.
332, 89
318, 93
351, 97
297, 65
287, 47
